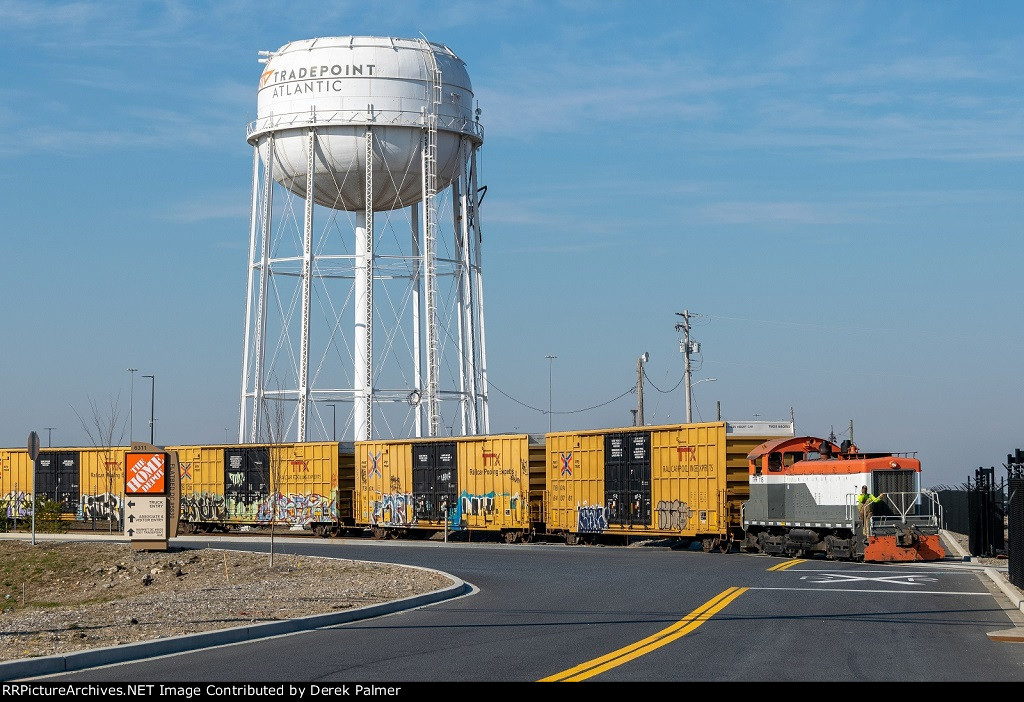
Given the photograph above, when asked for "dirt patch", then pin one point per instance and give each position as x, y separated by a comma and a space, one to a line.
59, 597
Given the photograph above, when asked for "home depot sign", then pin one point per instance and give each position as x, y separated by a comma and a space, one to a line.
147, 487
144, 473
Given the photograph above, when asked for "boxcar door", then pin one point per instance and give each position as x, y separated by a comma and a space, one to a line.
56, 478
434, 481
46, 475
67, 481
638, 462
246, 481
616, 479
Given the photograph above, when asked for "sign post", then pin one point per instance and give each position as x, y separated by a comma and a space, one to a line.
33, 453
149, 489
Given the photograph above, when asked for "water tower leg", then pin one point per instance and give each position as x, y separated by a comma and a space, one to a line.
307, 280
259, 345
467, 335
476, 241
253, 222
417, 337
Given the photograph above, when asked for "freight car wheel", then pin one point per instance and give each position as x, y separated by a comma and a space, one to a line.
510, 537
378, 532
572, 539
335, 530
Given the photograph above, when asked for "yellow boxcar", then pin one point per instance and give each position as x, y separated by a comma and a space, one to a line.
685, 481
472, 483
305, 485
15, 484
88, 482
101, 483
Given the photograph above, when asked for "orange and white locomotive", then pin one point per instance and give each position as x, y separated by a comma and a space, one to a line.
803, 502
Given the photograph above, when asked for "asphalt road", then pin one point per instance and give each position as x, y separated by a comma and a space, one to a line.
554, 612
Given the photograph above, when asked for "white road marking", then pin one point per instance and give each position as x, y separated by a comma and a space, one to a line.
888, 592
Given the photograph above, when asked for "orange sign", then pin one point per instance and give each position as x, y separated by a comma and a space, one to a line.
144, 473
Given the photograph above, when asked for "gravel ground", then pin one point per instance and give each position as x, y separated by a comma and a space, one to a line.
59, 597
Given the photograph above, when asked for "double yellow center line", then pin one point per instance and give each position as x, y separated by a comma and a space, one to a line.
681, 628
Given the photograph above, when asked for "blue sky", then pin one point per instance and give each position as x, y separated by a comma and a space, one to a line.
834, 187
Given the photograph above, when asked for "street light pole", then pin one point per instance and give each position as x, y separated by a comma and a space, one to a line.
551, 363
49, 435
152, 404
334, 423
698, 382
131, 407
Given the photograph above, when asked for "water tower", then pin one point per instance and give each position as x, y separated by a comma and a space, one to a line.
364, 291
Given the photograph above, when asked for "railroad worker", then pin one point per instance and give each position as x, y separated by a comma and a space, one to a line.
867, 502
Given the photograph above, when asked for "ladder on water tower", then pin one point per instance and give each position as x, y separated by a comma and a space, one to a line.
430, 240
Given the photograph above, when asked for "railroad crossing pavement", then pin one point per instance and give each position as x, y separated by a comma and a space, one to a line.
1015, 634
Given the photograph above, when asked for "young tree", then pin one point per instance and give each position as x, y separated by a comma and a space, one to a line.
275, 425
106, 430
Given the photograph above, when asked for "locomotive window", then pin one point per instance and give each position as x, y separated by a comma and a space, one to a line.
791, 458
775, 462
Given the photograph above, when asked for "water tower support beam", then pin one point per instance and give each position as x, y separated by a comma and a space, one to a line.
477, 241
417, 338
261, 307
467, 345
307, 279
253, 219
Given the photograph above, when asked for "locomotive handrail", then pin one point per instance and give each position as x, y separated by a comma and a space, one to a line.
920, 509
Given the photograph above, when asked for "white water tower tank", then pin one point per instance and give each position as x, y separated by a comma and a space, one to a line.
344, 85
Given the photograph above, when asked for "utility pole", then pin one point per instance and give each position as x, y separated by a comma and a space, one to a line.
640, 387
551, 364
687, 347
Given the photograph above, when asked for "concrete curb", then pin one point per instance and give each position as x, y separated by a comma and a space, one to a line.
1012, 635
1011, 592
79, 660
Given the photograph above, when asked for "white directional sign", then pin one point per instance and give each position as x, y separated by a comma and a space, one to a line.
145, 518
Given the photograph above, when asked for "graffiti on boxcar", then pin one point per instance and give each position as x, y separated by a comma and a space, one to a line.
391, 509
103, 506
203, 507
16, 504
243, 507
476, 504
673, 514
296, 509
590, 519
